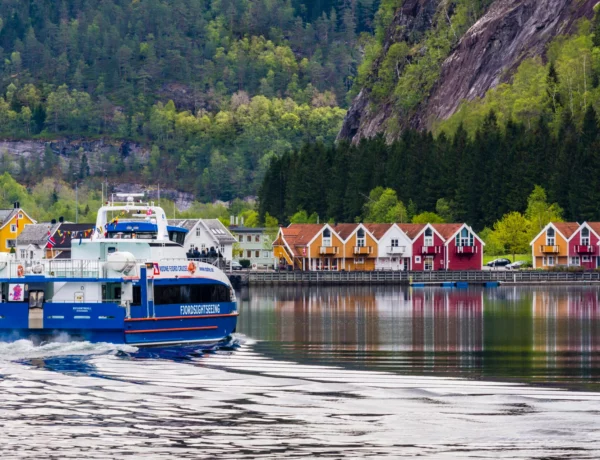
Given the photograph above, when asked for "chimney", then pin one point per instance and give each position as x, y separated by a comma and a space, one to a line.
231, 220
242, 221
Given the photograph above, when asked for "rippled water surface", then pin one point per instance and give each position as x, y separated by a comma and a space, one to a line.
330, 372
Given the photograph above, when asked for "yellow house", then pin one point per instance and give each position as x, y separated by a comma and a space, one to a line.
12, 222
551, 246
360, 247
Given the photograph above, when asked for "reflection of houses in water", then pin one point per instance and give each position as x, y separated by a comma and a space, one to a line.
447, 320
566, 321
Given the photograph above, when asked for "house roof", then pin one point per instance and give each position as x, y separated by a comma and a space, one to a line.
6, 215
36, 233
247, 229
566, 228
218, 230
344, 230
411, 230
595, 226
447, 231
67, 232
298, 235
378, 230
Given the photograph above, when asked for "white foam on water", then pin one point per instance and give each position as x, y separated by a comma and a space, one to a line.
61, 345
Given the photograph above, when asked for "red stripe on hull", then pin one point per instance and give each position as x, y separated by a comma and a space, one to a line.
203, 328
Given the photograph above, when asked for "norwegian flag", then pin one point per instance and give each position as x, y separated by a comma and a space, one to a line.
50, 240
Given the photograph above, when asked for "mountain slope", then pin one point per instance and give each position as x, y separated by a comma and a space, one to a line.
486, 55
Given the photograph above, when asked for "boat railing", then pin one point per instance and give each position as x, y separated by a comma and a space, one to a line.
216, 261
68, 268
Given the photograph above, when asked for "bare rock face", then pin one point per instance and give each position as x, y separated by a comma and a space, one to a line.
488, 54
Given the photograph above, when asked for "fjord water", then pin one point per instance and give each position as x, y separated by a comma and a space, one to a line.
326, 372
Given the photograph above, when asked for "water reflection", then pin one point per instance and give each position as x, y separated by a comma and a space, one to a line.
541, 334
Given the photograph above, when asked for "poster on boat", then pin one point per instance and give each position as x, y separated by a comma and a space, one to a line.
190, 269
16, 292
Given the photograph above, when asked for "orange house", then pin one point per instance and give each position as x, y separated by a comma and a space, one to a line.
360, 247
551, 247
314, 247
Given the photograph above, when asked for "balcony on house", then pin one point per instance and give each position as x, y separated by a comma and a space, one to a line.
329, 250
363, 250
549, 249
466, 249
395, 249
585, 249
431, 250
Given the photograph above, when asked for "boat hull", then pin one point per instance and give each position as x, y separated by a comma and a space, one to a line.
106, 322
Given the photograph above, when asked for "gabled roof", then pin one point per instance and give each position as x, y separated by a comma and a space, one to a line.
595, 227
566, 229
411, 230
344, 230
36, 234
299, 235
447, 231
378, 230
6, 215
216, 228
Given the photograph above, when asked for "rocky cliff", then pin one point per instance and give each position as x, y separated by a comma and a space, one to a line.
486, 55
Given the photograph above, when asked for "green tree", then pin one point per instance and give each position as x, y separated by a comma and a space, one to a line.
539, 212
384, 207
427, 218
513, 232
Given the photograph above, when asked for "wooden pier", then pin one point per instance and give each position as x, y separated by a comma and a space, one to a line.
416, 279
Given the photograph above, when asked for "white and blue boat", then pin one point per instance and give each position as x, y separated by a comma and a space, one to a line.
128, 281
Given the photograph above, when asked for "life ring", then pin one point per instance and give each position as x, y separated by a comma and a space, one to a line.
192, 268
20, 271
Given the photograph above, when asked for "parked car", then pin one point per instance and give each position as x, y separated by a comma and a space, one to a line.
235, 265
519, 264
498, 263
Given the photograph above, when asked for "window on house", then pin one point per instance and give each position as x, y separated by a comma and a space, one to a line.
11, 244
198, 231
585, 236
550, 237
249, 238
257, 239
327, 237
550, 261
222, 249
464, 238
248, 254
241, 238
428, 238
20, 216
360, 238
428, 263
13, 228
266, 254
257, 254
417, 259
395, 243
359, 260
586, 259
23, 253
575, 261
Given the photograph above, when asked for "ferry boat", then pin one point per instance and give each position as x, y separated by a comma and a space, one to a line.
128, 281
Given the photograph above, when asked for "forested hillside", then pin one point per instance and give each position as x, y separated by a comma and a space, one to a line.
216, 87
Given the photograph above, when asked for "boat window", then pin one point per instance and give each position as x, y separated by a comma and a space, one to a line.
111, 249
137, 295
191, 293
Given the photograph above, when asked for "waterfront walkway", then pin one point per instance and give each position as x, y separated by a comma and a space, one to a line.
448, 278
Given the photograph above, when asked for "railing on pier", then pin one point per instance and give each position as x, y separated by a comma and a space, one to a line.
433, 277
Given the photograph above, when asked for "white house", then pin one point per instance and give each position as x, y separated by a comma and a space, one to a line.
206, 234
394, 248
31, 242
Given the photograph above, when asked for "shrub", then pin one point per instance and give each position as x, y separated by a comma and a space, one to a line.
245, 263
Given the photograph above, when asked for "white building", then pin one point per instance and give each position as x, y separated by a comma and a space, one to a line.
32, 241
206, 234
394, 248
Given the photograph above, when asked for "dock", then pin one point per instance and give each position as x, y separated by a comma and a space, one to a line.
453, 279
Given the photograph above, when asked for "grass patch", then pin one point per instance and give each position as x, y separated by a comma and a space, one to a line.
527, 257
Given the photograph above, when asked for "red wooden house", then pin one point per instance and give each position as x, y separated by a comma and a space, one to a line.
583, 246
463, 248
428, 249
